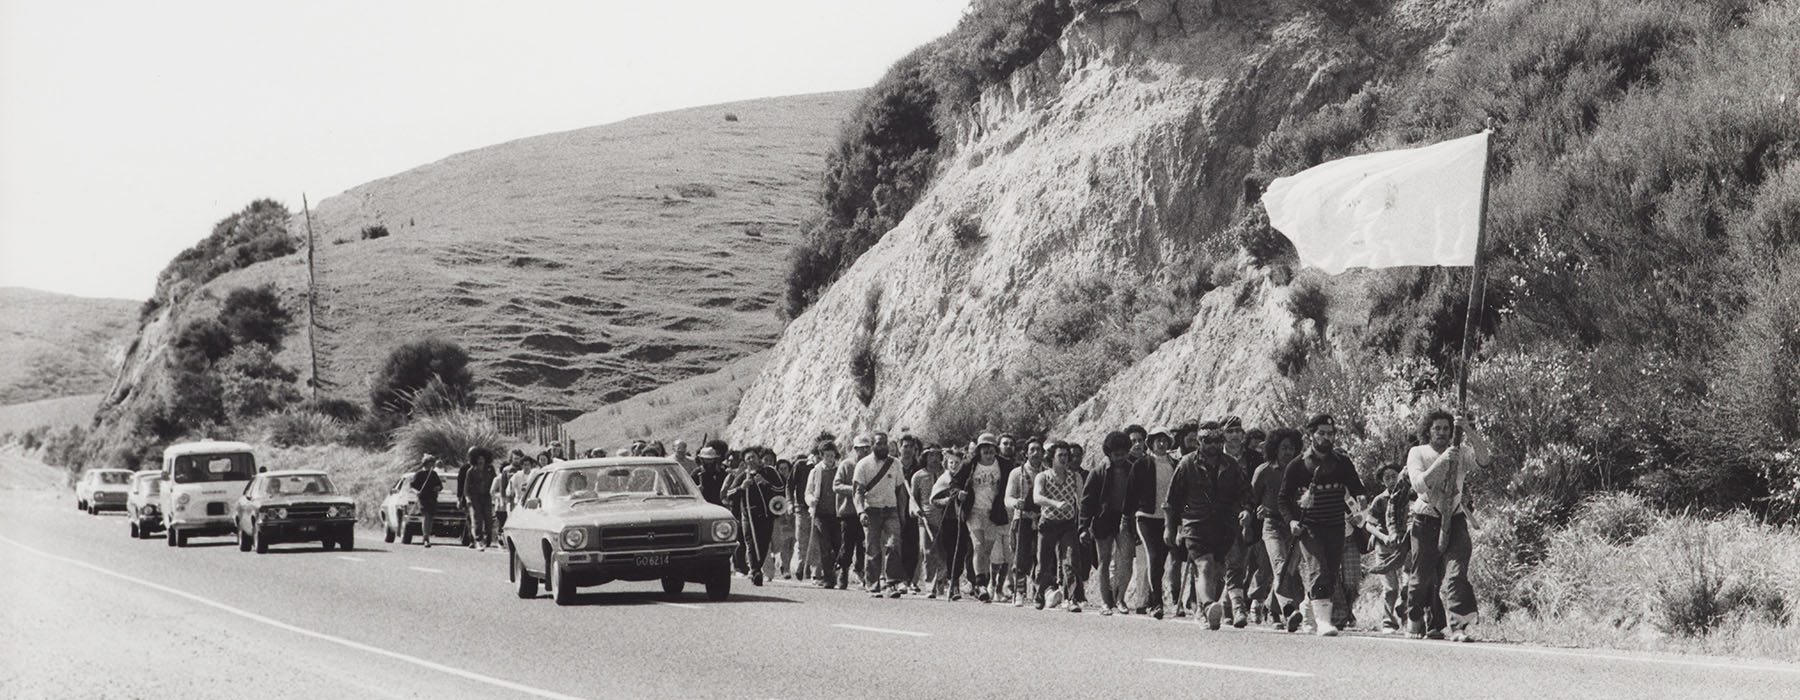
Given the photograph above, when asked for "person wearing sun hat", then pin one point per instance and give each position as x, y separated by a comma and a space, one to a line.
976, 489
1149, 488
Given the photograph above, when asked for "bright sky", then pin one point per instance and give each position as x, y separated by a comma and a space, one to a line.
128, 128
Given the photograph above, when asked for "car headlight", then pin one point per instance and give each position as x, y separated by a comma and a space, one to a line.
181, 500
147, 509
281, 513
574, 538
724, 530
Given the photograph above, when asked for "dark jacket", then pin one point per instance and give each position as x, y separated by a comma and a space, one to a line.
796, 486
1208, 488
959, 480
1104, 497
712, 482
428, 484
475, 483
748, 497
1140, 493
1334, 482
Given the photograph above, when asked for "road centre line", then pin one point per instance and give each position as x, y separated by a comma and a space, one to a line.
883, 630
340, 556
1229, 667
416, 661
429, 571
1585, 655
685, 606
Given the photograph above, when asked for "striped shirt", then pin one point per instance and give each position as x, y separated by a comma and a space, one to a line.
1065, 489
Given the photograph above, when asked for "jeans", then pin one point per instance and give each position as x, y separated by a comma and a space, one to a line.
1283, 564
909, 546
481, 521
828, 537
1025, 550
931, 556
753, 546
1218, 555
1324, 548
883, 544
781, 543
1435, 573
1164, 569
806, 552
850, 546
1116, 554
1055, 558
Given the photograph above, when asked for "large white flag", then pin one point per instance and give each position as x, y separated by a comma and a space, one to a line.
1415, 206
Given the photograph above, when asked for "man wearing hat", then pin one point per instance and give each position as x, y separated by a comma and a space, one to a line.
1208, 496
710, 474
975, 489
1149, 489
852, 555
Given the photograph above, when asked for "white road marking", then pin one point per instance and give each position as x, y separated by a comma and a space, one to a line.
882, 630
687, 606
340, 556
1228, 667
378, 651
429, 571
1588, 655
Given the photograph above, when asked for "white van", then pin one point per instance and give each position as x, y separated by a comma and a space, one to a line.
201, 482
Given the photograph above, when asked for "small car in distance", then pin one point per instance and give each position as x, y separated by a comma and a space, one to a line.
202, 481
294, 506
140, 504
586, 522
102, 489
401, 517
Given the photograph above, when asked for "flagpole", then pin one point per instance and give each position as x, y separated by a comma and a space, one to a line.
1477, 290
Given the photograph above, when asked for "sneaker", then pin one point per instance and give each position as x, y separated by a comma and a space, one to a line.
1434, 634
1180, 611
955, 595
428, 544
822, 583
1020, 603
1294, 620
877, 594
1157, 612
985, 596
1056, 597
1074, 607
895, 592
1460, 633
1415, 629
1039, 604
1239, 618
1107, 611
1215, 614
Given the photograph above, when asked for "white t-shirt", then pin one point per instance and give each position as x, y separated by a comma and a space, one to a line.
1165, 474
985, 483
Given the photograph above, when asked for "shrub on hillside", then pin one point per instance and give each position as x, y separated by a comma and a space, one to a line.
340, 410
1308, 300
255, 315
863, 367
411, 367
252, 384
294, 427
370, 233
374, 431
252, 235
200, 343
448, 436
1615, 518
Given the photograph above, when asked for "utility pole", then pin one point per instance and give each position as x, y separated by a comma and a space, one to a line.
312, 294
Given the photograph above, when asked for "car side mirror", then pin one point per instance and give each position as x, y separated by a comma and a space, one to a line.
530, 503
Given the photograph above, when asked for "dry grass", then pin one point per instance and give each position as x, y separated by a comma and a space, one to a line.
688, 409
48, 413
54, 345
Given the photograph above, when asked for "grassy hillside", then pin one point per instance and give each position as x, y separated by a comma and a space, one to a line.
686, 410
55, 345
583, 267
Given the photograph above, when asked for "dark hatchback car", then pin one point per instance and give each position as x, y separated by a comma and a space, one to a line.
294, 506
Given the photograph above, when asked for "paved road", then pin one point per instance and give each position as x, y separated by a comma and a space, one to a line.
89, 612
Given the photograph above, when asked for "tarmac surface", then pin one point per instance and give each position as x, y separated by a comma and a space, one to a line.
89, 612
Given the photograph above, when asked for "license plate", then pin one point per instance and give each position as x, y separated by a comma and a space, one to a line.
307, 528
657, 559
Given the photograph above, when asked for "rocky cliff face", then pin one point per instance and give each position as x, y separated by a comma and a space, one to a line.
1120, 155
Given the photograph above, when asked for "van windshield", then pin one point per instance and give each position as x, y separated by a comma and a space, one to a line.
230, 466
115, 477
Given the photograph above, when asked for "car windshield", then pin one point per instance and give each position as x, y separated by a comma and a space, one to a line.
231, 466
116, 478
620, 482
296, 485
149, 486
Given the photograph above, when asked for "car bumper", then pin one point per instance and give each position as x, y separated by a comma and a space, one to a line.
217, 525
107, 501
587, 568
305, 530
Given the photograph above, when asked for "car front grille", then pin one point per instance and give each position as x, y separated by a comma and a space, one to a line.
307, 511
648, 537
108, 497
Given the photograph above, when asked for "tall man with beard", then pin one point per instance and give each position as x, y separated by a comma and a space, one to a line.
879, 494
1437, 471
853, 555
1316, 495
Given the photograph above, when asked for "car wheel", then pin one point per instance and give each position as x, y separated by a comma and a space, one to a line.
718, 585
348, 541
328, 543
261, 544
560, 588
80, 505
467, 537
134, 530
169, 533
243, 540
527, 584
672, 585
181, 539
406, 532
387, 530
92, 508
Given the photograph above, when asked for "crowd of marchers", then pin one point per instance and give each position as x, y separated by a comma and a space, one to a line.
1232, 526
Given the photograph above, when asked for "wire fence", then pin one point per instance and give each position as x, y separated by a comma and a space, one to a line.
517, 420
